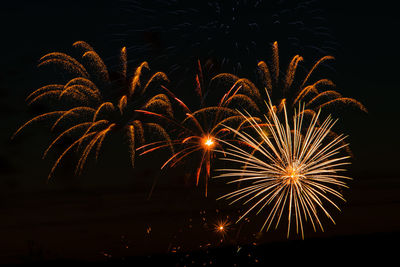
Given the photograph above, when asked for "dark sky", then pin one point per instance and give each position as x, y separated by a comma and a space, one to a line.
367, 68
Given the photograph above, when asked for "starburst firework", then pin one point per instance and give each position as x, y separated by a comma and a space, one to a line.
92, 104
290, 172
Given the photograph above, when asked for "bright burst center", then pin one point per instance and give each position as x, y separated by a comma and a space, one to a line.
208, 142
292, 176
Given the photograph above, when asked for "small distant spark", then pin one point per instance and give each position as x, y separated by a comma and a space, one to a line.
222, 227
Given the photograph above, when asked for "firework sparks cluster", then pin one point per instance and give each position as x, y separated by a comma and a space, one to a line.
291, 171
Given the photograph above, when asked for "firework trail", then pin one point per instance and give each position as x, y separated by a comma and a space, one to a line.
233, 34
92, 104
291, 173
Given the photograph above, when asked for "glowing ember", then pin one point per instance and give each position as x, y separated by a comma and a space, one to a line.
222, 227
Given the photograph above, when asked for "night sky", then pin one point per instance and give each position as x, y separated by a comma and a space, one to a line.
96, 214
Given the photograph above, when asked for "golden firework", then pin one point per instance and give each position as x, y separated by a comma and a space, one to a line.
312, 93
287, 172
98, 105
285, 88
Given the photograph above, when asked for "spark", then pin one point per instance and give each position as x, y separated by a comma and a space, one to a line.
288, 171
148, 230
222, 227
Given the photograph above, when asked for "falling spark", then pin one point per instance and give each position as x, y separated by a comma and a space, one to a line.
290, 172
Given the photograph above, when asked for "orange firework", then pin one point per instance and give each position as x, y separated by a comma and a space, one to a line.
316, 95
200, 129
91, 104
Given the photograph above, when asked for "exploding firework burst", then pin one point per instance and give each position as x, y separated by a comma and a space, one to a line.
233, 34
93, 104
290, 172
199, 130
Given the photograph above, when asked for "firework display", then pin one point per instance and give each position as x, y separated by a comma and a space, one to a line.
199, 133
292, 170
224, 104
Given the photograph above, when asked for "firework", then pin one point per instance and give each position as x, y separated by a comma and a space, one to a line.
285, 89
91, 105
200, 130
291, 173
